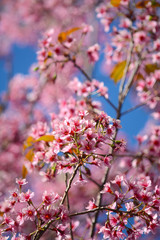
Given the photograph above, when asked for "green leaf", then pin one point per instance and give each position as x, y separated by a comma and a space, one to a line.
118, 71
54, 77
36, 69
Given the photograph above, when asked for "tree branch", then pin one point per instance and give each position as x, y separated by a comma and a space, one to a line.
133, 108
41, 231
96, 209
69, 183
68, 206
126, 69
122, 95
91, 179
131, 79
90, 79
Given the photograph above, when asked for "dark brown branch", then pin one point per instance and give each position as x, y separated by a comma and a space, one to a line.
102, 208
41, 231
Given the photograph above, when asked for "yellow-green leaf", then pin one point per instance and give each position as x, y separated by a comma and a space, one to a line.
115, 3
24, 172
46, 138
50, 54
28, 143
29, 155
118, 71
63, 35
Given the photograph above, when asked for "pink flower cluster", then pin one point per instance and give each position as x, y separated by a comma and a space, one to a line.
19, 211
88, 88
147, 91
77, 140
138, 200
33, 18
78, 152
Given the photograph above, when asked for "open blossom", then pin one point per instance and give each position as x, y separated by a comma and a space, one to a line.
21, 181
124, 2
157, 44
27, 196
39, 130
87, 28
126, 23
107, 188
78, 150
140, 37
129, 206
156, 57
29, 213
156, 115
47, 214
93, 52
102, 90
49, 198
106, 23
91, 205
8, 220
20, 218
107, 232
80, 181
119, 180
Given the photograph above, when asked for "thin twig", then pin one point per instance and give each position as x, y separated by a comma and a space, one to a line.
133, 108
100, 195
69, 183
41, 231
81, 70
90, 79
68, 206
110, 103
97, 209
131, 79
122, 96
91, 179
126, 69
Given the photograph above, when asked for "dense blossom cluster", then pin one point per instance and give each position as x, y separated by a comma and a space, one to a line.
77, 177
139, 202
138, 35
32, 18
147, 89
